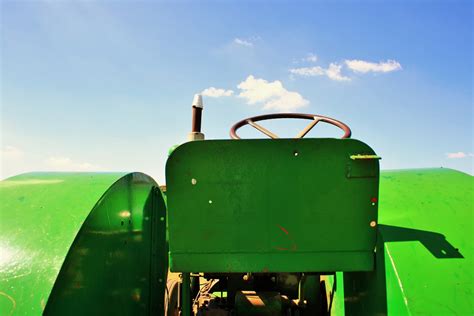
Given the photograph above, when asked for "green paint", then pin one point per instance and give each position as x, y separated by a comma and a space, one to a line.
425, 247
428, 215
69, 248
286, 205
41, 215
75, 243
334, 293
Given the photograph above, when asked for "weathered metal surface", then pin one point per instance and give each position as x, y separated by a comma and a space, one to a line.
271, 205
258, 303
425, 248
69, 248
186, 298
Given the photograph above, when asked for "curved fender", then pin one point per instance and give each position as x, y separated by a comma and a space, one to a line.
81, 243
424, 249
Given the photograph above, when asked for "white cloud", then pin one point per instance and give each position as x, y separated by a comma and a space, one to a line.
216, 93
243, 42
333, 72
362, 66
272, 95
67, 164
11, 153
312, 58
308, 71
459, 155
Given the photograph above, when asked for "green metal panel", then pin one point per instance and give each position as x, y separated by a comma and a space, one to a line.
425, 249
68, 248
286, 205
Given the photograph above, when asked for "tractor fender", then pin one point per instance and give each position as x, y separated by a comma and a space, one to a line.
82, 243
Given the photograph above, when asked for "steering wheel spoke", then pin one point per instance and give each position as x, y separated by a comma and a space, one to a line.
262, 129
308, 128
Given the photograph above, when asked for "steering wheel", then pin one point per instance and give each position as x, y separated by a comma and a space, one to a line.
314, 118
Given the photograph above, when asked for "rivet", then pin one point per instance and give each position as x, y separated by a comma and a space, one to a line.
193, 181
210, 201
373, 224
162, 219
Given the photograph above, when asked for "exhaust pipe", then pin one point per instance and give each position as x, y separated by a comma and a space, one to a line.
197, 108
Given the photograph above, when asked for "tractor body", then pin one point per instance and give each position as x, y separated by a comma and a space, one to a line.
242, 227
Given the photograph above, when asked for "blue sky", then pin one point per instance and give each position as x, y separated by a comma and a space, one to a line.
108, 85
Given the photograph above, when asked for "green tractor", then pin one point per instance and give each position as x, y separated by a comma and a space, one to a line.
303, 226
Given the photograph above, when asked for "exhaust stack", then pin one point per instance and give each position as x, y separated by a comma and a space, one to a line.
197, 107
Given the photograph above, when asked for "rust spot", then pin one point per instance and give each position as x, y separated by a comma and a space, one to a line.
283, 229
265, 269
373, 200
136, 296
293, 246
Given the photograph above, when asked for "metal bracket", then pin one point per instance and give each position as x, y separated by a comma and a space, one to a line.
364, 157
362, 166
